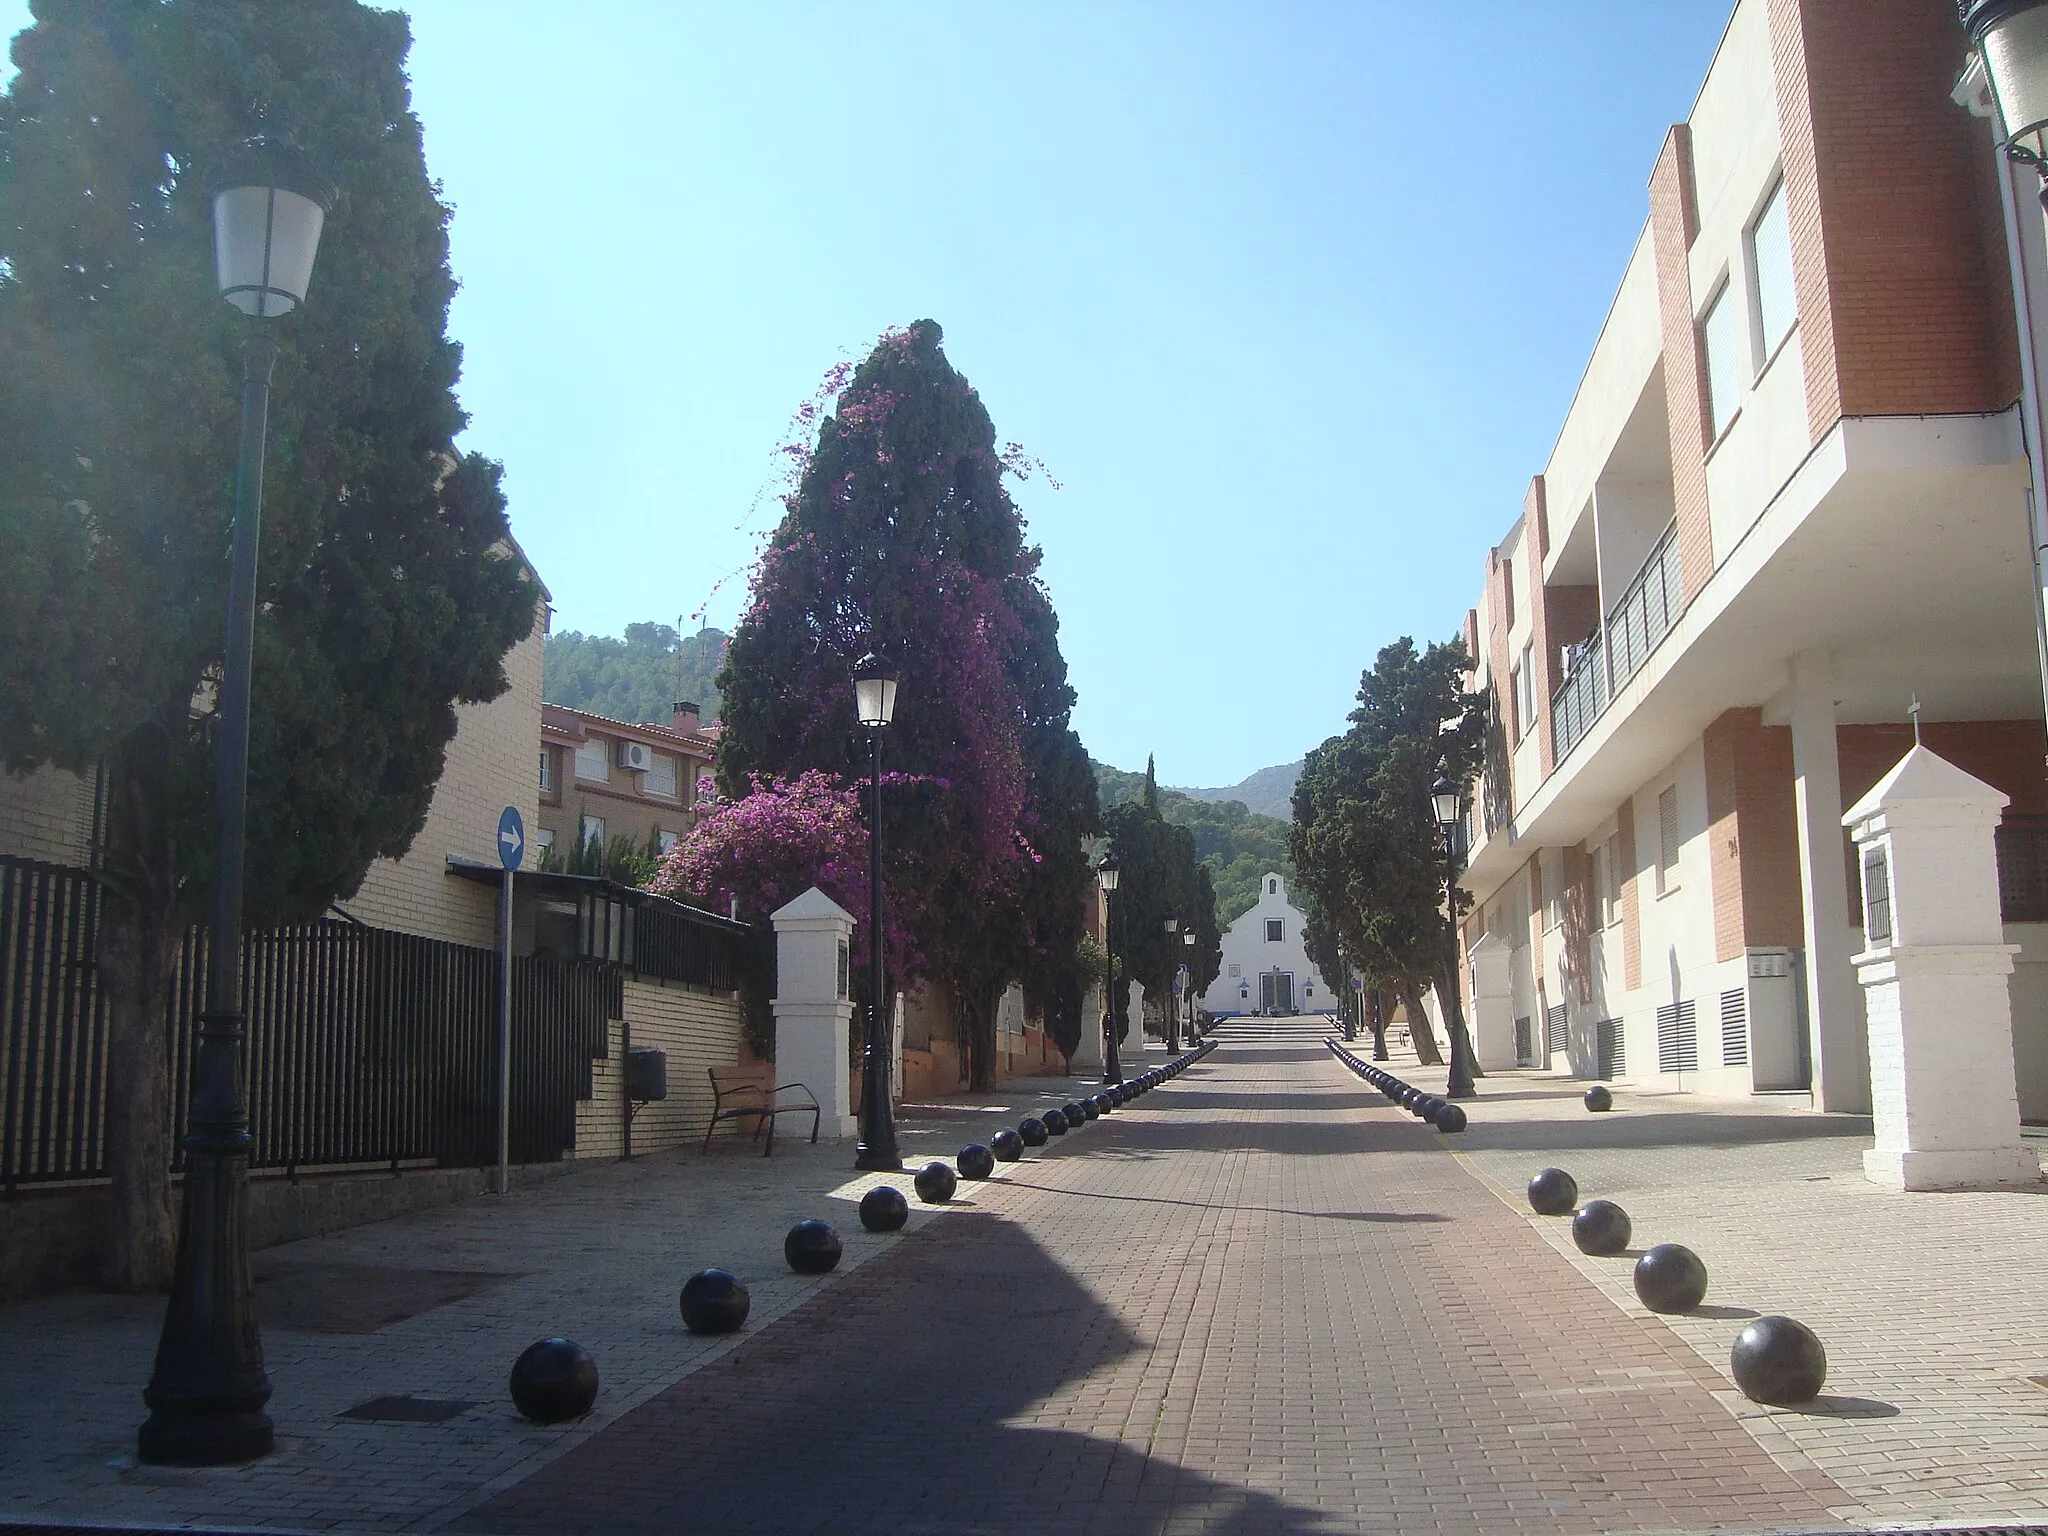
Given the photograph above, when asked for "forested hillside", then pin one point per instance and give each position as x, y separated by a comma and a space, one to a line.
637, 678
1238, 845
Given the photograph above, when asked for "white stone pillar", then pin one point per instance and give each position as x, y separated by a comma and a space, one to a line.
813, 1012
1087, 1057
1934, 972
1834, 1013
896, 1050
1134, 1047
1493, 1003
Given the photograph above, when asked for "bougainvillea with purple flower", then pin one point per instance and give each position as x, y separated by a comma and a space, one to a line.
900, 536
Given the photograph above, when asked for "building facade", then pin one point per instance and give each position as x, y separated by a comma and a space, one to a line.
604, 778
1786, 510
1265, 966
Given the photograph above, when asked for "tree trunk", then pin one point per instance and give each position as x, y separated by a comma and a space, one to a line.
974, 1010
138, 949
1376, 1021
1424, 1038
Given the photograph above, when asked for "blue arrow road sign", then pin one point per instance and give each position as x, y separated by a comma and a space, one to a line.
511, 837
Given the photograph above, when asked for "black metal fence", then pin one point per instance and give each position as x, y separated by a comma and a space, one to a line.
365, 1046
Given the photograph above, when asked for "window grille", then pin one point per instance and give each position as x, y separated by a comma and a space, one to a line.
1877, 898
1609, 1044
1556, 1029
1735, 1028
1678, 1038
1273, 930
1667, 840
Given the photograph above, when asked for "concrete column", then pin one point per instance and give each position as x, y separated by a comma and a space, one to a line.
1834, 1011
813, 1012
1088, 1054
1134, 1047
1945, 1105
1493, 1003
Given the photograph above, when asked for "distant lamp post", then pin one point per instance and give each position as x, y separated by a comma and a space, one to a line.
207, 1393
1446, 801
1107, 873
874, 698
2011, 42
1171, 1022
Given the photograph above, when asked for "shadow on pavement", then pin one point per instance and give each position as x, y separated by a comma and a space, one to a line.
881, 1406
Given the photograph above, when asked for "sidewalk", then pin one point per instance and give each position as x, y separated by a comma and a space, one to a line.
1933, 1307
436, 1306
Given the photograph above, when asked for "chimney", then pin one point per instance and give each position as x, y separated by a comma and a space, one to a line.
686, 717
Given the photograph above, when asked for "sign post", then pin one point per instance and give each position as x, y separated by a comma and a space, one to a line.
511, 849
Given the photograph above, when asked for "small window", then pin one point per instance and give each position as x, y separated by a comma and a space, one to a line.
1518, 717
1877, 898
668, 842
1236, 970
547, 770
1547, 868
1667, 840
1724, 378
592, 761
1274, 928
543, 840
1525, 685
1770, 258
660, 778
1602, 899
1272, 887
593, 830
1507, 587
845, 970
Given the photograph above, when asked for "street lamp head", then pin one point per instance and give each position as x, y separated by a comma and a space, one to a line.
1173, 925
1108, 872
2012, 35
1444, 796
1188, 939
874, 690
269, 203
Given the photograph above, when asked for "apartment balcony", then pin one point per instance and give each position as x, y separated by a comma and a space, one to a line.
1634, 627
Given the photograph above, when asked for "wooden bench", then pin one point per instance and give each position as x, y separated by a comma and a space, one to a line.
737, 1098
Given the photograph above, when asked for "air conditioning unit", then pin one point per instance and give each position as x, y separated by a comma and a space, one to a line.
634, 754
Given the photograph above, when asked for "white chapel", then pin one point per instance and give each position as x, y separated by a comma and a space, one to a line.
1265, 961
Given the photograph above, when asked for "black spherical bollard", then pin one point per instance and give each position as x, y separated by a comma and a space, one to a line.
1430, 1107
1598, 1099
1054, 1121
1081, 1111
1007, 1145
1032, 1132
936, 1183
1779, 1361
975, 1161
1553, 1192
1671, 1278
714, 1301
1104, 1104
883, 1209
812, 1248
1450, 1118
554, 1380
1600, 1226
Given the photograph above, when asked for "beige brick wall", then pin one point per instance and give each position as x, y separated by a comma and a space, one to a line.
493, 762
46, 815
699, 1030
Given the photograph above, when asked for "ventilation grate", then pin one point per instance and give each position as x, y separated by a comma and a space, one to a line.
1678, 1038
1556, 1031
1610, 1043
1735, 1028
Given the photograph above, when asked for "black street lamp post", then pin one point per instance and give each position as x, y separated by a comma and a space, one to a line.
207, 1393
1444, 798
874, 693
1107, 873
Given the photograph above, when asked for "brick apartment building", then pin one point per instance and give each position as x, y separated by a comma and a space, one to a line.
603, 778
1788, 499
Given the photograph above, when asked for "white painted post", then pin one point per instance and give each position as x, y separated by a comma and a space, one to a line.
1134, 1048
1841, 1073
1934, 970
813, 1011
1087, 1059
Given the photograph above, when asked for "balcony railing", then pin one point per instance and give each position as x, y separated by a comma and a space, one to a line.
1605, 663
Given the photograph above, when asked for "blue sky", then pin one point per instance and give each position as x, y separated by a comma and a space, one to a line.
1290, 298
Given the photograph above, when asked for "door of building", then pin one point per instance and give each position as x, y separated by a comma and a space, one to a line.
1276, 992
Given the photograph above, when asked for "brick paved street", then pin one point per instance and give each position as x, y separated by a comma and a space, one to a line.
1258, 1300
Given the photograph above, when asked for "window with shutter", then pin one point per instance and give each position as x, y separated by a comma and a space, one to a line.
1667, 840
593, 762
660, 778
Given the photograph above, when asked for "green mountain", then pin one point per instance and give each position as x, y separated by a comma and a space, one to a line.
1238, 844
637, 678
